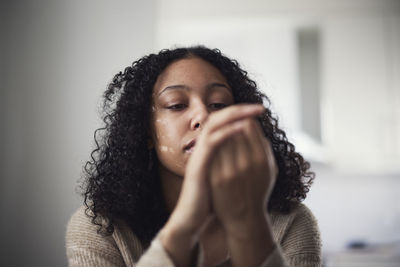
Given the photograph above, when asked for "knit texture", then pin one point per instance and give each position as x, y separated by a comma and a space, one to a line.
296, 235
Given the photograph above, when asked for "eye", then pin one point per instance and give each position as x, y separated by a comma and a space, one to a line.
217, 105
177, 107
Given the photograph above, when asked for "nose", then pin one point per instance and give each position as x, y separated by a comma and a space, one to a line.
199, 117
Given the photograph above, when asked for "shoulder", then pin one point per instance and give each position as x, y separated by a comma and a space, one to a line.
81, 231
303, 215
299, 216
79, 222
304, 221
83, 240
297, 232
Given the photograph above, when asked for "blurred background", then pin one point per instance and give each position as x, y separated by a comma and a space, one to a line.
330, 68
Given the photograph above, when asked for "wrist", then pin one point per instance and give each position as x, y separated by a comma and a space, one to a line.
178, 243
250, 243
247, 225
173, 236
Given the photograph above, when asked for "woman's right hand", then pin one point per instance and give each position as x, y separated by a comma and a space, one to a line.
194, 209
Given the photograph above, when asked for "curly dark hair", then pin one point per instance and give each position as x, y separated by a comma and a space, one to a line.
121, 181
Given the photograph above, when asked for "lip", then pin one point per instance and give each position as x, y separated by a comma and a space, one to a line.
189, 146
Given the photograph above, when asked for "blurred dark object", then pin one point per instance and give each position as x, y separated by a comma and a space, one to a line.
364, 254
358, 244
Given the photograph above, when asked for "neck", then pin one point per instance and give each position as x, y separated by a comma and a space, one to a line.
171, 184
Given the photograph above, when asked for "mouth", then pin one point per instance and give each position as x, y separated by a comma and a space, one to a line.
189, 148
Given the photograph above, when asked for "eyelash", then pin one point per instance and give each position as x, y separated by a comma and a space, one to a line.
220, 105
178, 107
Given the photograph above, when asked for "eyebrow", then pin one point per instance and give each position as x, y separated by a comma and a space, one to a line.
208, 87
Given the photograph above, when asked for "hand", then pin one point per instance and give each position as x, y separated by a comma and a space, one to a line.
194, 204
242, 175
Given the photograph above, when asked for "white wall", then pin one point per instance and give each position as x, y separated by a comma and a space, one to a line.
361, 92
351, 207
58, 58
356, 189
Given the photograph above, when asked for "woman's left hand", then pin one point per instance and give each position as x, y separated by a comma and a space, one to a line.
243, 172
242, 176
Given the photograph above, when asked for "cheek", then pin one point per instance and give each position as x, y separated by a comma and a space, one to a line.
168, 145
168, 136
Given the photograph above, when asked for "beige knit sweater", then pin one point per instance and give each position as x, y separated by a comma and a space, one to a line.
296, 234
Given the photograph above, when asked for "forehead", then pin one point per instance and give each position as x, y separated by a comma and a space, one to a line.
188, 71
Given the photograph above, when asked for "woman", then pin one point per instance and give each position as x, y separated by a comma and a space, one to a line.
192, 170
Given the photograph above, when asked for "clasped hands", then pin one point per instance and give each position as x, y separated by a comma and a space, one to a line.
230, 175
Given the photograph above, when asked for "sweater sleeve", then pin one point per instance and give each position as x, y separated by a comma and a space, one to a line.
85, 247
155, 256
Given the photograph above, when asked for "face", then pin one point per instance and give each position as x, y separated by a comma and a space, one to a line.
184, 95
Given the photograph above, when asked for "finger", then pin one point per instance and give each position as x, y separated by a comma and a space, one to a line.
261, 147
253, 140
267, 146
244, 152
216, 138
227, 154
209, 145
231, 114
215, 172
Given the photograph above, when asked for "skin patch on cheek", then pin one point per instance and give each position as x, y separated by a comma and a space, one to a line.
167, 149
161, 122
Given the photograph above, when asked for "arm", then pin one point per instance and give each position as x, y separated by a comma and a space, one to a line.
252, 244
194, 208
242, 177
300, 245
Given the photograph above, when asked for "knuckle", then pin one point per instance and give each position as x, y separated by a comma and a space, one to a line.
243, 166
220, 182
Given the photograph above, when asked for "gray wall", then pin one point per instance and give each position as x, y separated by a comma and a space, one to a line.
57, 58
